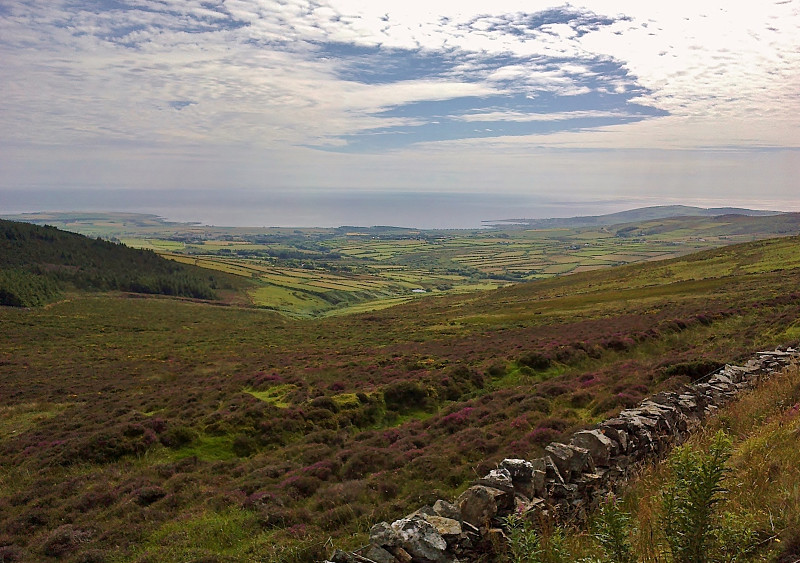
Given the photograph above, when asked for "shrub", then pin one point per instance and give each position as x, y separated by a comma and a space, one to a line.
10, 553
612, 530
244, 445
63, 540
178, 436
689, 500
404, 395
325, 403
496, 371
535, 360
150, 494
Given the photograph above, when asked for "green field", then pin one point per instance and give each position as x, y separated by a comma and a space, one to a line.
155, 428
316, 272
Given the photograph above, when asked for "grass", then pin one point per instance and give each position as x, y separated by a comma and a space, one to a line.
311, 272
764, 477
17, 419
756, 517
274, 395
241, 412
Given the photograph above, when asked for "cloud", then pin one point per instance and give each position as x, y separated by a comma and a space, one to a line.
207, 79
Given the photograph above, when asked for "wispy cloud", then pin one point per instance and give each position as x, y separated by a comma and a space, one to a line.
291, 77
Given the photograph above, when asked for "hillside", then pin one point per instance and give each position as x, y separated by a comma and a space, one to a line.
316, 272
38, 262
138, 430
633, 215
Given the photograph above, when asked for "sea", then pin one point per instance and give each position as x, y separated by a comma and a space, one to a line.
312, 207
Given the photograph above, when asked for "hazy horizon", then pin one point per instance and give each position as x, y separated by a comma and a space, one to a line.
335, 208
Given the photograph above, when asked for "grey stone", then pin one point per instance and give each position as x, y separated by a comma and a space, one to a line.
420, 539
447, 527
597, 444
552, 474
401, 555
519, 469
537, 482
378, 554
384, 534
539, 464
425, 510
446, 510
479, 504
499, 479
569, 459
619, 439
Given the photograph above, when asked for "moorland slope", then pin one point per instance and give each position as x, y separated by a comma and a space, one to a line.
154, 429
38, 262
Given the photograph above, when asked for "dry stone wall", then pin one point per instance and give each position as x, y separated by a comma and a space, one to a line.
569, 480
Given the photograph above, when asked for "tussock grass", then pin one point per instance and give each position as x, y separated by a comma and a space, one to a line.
763, 482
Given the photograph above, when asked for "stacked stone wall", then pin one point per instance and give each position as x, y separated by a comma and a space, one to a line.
569, 480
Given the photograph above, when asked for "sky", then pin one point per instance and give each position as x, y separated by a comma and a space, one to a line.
692, 102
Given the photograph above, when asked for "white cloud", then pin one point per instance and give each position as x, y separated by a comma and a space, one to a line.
727, 73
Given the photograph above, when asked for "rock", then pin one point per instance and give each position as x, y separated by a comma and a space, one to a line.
598, 445
539, 464
425, 510
401, 555
552, 474
519, 469
568, 459
525, 506
420, 539
498, 479
340, 556
537, 483
479, 504
619, 440
446, 510
378, 554
383, 534
447, 527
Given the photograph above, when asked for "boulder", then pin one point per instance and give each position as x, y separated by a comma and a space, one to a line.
420, 539
401, 555
619, 439
446, 510
498, 479
378, 554
538, 483
479, 504
382, 534
527, 480
519, 469
597, 444
552, 474
447, 527
569, 459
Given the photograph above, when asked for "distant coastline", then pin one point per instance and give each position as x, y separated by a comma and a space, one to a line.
319, 208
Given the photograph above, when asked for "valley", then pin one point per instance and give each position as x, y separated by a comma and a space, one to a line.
144, 428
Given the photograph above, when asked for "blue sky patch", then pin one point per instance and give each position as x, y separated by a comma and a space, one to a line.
598, 92
387, 138
379, 65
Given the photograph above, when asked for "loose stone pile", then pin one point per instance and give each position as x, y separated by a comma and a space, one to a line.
569, 480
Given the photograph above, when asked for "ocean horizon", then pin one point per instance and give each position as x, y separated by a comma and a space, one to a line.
313, 208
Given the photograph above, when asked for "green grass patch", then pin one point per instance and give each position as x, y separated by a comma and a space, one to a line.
208, 448
275, 396
17, 419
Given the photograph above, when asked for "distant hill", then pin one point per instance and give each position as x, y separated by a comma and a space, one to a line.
38, 262
630, 216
